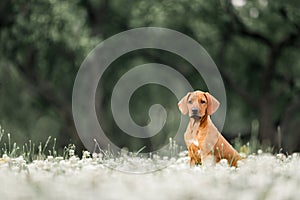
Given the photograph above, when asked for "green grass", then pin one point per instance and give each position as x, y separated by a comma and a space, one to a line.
30, 151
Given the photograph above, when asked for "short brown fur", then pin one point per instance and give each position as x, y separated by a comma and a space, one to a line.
202, 138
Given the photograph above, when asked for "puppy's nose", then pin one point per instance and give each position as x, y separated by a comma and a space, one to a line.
195, 111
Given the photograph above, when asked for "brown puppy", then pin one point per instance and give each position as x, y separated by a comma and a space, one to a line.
202, 138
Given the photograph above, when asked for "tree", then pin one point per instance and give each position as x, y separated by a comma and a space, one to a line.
254, 44
42, 46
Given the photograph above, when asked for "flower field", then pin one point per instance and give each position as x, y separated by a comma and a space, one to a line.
259, 176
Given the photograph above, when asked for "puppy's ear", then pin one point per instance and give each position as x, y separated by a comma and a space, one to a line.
182, 104
212, 104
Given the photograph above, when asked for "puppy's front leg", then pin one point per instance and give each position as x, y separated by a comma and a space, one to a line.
193, 153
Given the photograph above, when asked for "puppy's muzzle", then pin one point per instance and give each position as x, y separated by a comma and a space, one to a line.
195, 113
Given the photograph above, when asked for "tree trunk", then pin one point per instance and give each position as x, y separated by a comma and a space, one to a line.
267, 130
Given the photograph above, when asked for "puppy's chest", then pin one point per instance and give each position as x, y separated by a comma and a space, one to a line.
195, 135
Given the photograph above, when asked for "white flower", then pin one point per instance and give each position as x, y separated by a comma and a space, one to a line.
86, 154
71, 152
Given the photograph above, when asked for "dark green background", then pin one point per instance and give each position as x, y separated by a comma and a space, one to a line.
255, 46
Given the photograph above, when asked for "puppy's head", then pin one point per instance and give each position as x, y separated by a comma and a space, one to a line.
198, 104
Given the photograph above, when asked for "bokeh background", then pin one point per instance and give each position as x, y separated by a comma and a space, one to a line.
255, 45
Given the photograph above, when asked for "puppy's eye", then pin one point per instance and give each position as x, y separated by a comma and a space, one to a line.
190, 101
202, 101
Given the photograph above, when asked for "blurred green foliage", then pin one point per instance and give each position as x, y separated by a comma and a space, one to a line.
255, 45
